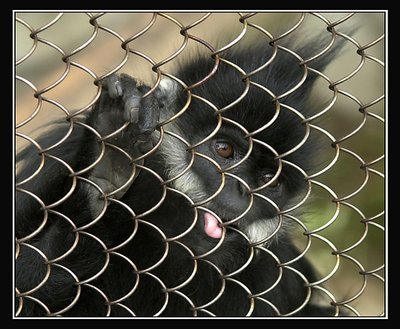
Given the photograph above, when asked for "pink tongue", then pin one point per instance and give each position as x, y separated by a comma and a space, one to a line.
211, 226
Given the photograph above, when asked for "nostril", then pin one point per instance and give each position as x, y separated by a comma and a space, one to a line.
242, 189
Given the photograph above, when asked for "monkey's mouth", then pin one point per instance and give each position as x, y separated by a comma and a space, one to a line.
211, 226
257, 231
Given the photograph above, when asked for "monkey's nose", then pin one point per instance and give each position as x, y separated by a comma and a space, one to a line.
242, 189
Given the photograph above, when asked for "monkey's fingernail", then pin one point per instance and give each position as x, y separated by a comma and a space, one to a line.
114, 86
131, 114
131, 109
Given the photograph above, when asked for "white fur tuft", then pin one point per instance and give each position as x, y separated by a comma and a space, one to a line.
175, 159
261, 229
167, 86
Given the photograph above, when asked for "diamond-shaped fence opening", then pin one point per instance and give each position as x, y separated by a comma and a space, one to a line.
199, 164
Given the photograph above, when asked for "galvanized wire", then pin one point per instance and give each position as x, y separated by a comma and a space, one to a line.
370, 165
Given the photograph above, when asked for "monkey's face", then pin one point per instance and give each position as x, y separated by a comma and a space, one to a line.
244, 183
240, 183
242, 167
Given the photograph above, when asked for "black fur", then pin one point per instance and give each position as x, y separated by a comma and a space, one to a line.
175, 215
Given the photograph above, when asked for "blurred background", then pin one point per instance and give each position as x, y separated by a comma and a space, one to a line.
60, 55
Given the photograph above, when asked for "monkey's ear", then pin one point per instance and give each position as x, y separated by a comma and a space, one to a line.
167, 92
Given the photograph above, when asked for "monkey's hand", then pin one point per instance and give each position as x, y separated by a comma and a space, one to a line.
121, 103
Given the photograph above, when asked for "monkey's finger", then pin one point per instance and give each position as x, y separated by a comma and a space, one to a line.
149, 114
132, 105
114, 86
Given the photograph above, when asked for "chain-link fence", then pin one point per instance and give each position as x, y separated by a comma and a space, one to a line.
199, 164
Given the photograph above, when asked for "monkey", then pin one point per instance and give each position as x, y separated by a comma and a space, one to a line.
172, 200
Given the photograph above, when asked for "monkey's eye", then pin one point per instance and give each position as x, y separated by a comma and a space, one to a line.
267, 177
224, 149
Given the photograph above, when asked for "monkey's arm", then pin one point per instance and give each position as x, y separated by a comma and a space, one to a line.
121, 105
95, 152
54, 190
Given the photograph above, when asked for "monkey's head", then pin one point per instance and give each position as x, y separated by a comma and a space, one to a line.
243, 149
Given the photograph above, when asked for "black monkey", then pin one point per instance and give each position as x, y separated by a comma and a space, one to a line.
197, 226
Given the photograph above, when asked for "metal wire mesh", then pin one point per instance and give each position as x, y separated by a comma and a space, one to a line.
62, 61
